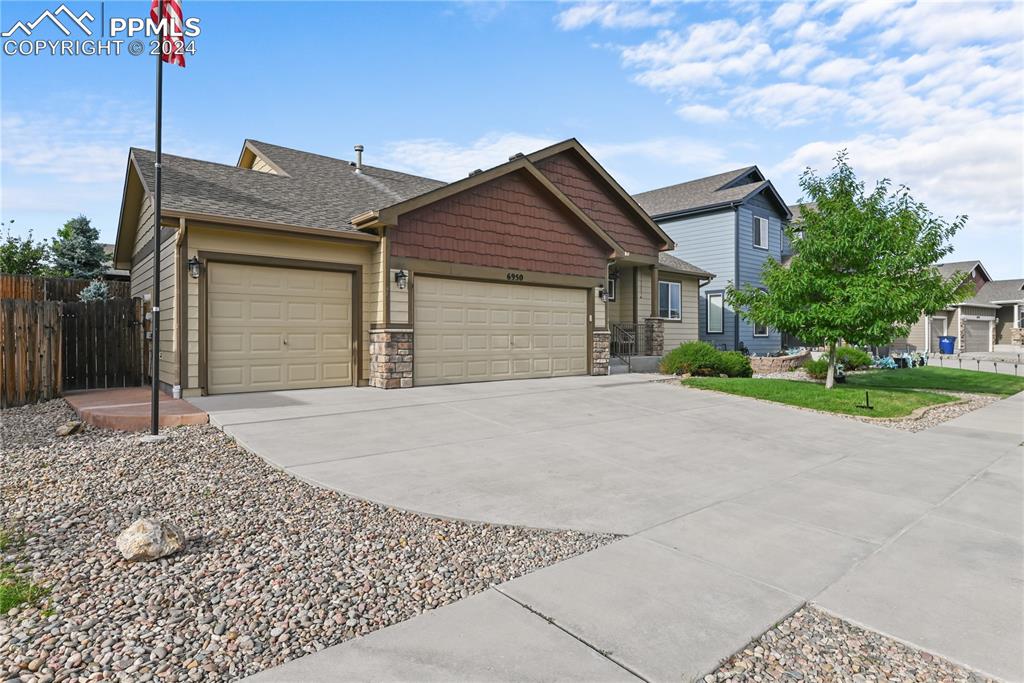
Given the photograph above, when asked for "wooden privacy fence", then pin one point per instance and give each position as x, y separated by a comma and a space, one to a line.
47, 347
36, 288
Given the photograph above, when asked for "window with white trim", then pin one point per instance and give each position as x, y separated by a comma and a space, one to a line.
760, 232
715, 312
669, 300
611, 288
1019, 318
760, 330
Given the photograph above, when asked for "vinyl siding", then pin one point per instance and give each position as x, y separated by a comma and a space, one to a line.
684, 330
643, 305
288, 247
621, 310
142, 285
399, 301
600, 311
258, 164
751, 265
708, 241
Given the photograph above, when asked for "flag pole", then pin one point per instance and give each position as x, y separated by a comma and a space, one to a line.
154, 427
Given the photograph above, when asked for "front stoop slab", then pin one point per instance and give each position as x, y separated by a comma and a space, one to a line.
486, 637
128, 410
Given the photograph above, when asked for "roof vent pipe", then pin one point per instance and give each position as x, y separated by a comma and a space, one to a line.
359, 158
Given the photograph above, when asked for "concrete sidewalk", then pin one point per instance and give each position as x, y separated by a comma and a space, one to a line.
918, 536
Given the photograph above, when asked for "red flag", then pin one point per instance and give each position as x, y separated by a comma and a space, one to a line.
173, 51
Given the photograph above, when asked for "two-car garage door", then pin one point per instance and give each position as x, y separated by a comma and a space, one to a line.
469, 331
277, 328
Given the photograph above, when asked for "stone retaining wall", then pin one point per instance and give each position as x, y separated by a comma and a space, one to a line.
766, 364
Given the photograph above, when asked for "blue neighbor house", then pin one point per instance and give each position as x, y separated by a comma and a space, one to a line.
728, 224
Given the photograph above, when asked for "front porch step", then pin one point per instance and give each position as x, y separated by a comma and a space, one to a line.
645, 364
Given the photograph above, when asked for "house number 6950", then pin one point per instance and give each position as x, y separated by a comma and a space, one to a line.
514, 277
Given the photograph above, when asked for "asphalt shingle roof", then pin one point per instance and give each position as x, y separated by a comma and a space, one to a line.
699, 193
317, 192
669, 262
998, 290
946, 270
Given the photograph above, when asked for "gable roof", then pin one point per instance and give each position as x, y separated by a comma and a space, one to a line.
715, 191
314, 191
797, 210
678, 265
317, 192
946, 270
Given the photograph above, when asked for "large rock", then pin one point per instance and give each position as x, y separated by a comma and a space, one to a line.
69, 428
150, 539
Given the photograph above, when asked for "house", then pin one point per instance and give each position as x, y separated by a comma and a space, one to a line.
292, 270
730, 224
114, 274
990, 318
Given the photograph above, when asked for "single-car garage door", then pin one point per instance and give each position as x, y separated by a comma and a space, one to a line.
467, 331
277, 328
976, 335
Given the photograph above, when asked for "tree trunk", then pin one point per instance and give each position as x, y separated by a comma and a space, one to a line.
830, 378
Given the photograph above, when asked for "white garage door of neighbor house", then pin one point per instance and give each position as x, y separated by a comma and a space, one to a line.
976, 335
277, 328
477, 331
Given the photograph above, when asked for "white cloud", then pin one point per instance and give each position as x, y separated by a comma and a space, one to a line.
613, 15
702, 113
445, 160
840, 70
787, 14
979, 171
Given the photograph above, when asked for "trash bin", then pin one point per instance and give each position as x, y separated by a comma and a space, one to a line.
947, 344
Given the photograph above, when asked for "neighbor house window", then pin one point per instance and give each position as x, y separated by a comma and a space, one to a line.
612, 288
1019, 318
669, 301
760, 330
760, 232
715, 316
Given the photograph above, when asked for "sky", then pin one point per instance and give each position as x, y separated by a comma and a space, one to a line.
929, 95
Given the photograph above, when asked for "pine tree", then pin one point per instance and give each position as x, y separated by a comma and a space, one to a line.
77, 251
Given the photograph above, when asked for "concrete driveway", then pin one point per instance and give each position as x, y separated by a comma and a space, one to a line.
736, 511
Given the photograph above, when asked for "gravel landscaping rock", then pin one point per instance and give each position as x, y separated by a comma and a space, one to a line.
812, 645
273, 568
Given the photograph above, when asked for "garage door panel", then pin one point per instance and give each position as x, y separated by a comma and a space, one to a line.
976, 335
277, 328
531, 331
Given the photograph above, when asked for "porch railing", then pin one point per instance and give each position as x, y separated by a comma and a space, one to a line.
629, 340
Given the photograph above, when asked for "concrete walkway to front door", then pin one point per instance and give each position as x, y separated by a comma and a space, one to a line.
736, 512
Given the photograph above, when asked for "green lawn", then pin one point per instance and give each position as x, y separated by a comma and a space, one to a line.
949, 379
895, 402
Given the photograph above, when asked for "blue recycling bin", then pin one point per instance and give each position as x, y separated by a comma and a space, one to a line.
947, 344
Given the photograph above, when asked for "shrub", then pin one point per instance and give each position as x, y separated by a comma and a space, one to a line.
853, 358
694, 358
817, 369
734, 364
97, 290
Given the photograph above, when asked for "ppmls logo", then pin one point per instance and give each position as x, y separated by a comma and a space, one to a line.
70, 16
117, 35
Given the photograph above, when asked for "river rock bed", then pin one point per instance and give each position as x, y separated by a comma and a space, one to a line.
273, 568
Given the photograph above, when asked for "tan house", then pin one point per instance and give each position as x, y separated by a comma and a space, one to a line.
990, 320
295, 270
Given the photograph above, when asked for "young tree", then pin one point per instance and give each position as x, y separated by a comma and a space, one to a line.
77, 251
21, 255
862, 269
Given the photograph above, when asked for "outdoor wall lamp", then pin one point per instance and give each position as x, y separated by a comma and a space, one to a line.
193, 267
401, 279
602, 294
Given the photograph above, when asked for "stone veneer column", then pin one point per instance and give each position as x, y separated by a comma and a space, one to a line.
391, 353
601, 352
656, 333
